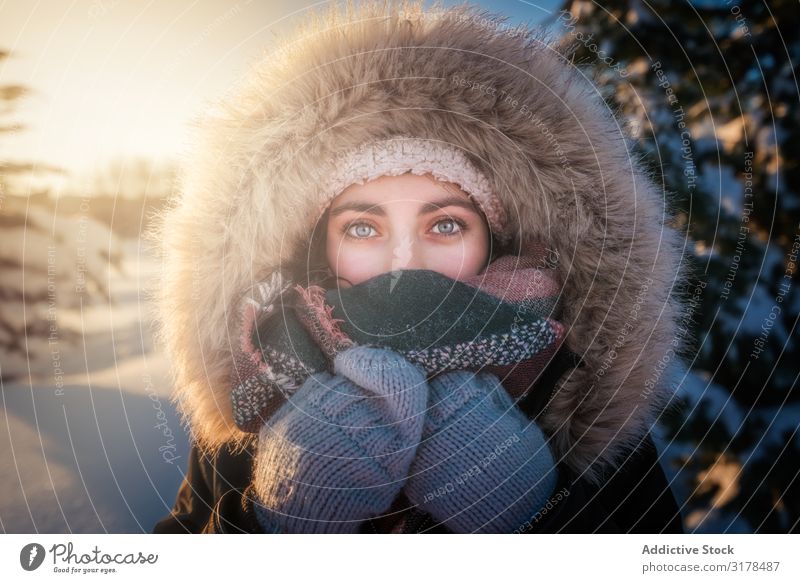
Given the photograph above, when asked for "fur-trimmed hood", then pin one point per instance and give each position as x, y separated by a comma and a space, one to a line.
523, 114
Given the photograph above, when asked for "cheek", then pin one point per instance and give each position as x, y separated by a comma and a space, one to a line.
472, 254
353, 262
460, 261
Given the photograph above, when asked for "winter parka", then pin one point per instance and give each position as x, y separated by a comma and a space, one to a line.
556, 156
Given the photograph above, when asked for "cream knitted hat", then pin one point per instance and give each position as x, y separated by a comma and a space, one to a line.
401, 154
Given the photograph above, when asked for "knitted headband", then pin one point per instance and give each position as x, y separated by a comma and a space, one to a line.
397, 155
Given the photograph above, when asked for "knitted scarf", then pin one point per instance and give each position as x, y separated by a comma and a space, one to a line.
502, 321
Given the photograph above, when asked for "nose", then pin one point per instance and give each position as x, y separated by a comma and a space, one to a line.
406, 254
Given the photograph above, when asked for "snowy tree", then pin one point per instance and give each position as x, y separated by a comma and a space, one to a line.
709, 91
50, 262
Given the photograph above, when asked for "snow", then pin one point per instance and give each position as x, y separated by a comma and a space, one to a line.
639, 14
777, 426
716, 521
757, 313
721, 182
731, 133
89, 451
710, 4
84, 461
711, 399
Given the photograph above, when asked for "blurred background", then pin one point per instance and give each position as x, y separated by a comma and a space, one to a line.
94, 99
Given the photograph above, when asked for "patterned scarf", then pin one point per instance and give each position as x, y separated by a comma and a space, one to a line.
502, 321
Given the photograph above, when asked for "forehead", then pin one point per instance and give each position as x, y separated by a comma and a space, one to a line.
406, 188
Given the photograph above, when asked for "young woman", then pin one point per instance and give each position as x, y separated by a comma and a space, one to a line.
387, 161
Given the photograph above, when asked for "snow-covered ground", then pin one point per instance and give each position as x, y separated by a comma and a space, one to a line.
89, 441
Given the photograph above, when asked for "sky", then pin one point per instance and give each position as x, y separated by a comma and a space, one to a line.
119, 79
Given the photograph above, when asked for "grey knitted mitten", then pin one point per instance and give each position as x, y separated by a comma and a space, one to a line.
482, 465
338, 452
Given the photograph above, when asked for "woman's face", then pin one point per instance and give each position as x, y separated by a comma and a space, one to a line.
405, 222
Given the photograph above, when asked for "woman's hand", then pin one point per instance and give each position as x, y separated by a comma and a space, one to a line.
338, 452
482, 465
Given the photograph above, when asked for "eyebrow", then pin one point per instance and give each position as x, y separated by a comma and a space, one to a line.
428, 207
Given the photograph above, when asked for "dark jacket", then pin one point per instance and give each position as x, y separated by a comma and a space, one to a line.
217, 494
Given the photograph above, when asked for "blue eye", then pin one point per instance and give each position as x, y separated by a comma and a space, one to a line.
452, 230
362, 230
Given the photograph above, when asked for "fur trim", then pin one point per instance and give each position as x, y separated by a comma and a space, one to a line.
523, 114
